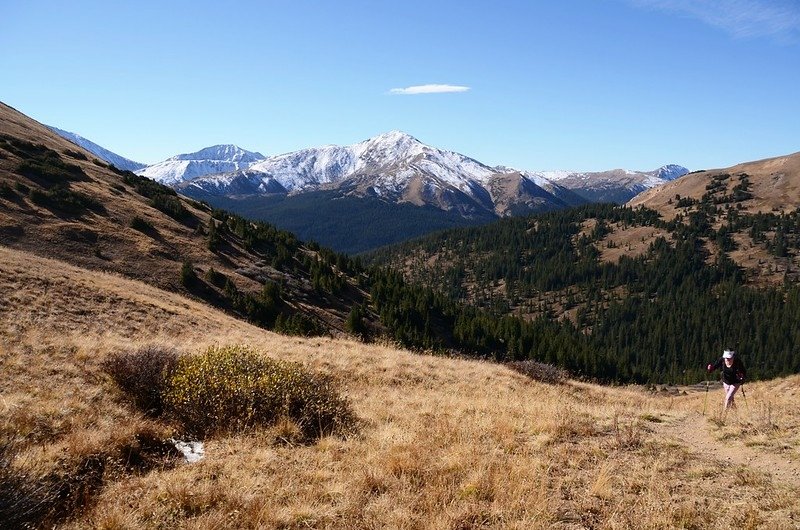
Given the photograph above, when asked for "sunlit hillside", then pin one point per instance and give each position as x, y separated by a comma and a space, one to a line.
441, 443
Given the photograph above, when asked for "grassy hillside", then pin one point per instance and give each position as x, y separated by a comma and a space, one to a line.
442, 443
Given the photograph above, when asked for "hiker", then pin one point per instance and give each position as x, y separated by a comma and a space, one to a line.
733, 373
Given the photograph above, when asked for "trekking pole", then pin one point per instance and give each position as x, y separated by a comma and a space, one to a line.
705, 400
745, 399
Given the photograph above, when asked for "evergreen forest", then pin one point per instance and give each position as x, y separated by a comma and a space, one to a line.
655, 317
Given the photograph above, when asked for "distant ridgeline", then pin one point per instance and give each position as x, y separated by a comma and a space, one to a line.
656, 317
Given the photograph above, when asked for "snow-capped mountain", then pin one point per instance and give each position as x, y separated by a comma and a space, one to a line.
211, 160
393, 166
671, 172
616, 185
392, 159
100, 152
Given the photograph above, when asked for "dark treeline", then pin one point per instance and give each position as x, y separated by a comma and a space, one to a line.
658, 317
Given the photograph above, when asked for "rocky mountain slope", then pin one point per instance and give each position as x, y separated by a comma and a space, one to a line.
394, 167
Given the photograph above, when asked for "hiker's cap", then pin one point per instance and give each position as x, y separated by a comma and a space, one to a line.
728, 354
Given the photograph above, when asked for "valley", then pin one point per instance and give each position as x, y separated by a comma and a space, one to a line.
98, 263
444, 443
400, 265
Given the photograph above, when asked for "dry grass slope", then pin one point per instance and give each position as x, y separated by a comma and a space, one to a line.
776, 186
127, 234
444, 443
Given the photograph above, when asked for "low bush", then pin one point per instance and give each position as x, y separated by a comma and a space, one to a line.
234, 388
298, 324
142, 374
189, 277
141, 224
75, 154
6, 191
65, 200
171, 206
161, 197
216, 278
51, 168
546, 373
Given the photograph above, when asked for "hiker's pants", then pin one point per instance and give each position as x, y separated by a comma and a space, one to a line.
730, 390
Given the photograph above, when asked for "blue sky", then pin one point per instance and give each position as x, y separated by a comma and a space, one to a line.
575, 84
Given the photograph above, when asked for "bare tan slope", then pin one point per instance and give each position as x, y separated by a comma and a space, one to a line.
775, 186
444, 443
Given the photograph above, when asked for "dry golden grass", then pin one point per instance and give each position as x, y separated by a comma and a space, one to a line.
444, 443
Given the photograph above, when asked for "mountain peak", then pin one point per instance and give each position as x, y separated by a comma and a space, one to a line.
393, 138
396, 134
671, 171
224, 152
214, 159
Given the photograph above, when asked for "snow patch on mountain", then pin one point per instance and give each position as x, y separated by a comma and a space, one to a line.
223, 153
557, 175
100, 152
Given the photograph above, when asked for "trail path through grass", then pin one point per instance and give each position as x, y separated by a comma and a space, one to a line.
694, 431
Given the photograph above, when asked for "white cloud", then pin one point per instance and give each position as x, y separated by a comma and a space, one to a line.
742, 18
428, 89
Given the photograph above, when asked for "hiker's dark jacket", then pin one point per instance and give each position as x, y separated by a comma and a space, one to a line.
733, 375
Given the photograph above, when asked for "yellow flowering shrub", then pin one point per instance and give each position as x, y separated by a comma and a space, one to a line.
230, 389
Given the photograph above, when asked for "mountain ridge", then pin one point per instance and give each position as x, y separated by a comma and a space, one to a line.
214, 159
390, 168
384, 165
394, 166
104, 154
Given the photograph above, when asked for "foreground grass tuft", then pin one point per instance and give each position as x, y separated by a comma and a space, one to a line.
31, 500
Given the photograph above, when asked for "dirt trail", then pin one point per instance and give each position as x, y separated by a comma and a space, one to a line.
691, 430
